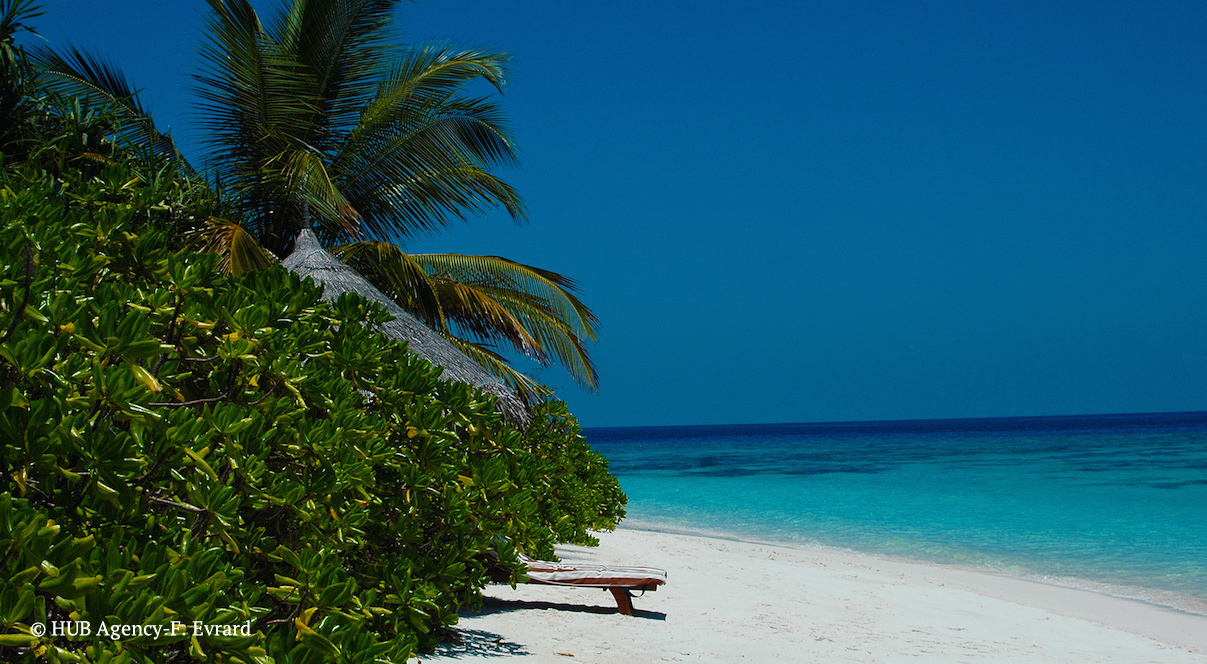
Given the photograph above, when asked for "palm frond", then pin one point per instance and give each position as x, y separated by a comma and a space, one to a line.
424, 85
528, 389
483, 316
555, 339
238, 250
78, 73
16, 17
420, 155
557, 290
343, 45
399, 207
253, 94
258, 106
486, 298
441, 68
543, 302
556, 324
397, 275
455, 130
400, 277
306, 176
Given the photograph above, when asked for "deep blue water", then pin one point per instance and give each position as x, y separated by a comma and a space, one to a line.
1116, 503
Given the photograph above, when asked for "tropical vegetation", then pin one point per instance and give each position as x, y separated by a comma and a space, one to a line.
315, 114
183, 443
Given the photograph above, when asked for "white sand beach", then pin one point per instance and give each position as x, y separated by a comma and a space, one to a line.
730, 601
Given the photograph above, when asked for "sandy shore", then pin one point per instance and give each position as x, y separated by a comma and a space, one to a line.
729, 601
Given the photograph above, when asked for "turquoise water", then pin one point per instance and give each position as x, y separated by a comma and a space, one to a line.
1113, 503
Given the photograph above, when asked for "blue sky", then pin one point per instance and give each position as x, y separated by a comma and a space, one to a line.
791, 212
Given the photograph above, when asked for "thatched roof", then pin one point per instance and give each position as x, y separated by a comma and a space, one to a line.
309, 259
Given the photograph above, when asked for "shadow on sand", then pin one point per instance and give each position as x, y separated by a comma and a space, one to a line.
492, 605
479, 643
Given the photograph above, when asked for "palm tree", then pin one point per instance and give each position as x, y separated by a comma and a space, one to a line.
14, 69
316, 113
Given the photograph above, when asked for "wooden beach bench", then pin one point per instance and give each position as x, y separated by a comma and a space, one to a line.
621, 581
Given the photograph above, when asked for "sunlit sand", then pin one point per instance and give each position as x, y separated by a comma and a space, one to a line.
736, 601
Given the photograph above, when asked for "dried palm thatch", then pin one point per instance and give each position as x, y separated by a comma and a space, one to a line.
309, 259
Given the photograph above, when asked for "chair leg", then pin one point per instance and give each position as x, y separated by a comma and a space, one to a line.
623, 602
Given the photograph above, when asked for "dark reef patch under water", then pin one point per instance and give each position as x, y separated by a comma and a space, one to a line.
1119, 500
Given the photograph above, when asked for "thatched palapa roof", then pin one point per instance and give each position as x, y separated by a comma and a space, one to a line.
309, 259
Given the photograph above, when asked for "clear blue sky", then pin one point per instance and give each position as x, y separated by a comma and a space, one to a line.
788, 212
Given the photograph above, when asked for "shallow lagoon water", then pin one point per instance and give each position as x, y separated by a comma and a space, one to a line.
1114, 503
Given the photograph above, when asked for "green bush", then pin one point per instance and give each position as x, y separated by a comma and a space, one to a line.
573, 491
180, 445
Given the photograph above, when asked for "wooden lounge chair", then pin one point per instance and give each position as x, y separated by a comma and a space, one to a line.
619, 580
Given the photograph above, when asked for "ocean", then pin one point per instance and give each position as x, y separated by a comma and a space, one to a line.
1110, 503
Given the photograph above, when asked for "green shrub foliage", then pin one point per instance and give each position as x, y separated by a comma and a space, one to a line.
574, 492
180, 445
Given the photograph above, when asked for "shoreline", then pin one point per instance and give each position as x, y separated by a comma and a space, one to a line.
734, 600
1178, 602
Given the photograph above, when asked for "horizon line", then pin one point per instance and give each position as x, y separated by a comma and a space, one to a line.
902, 420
